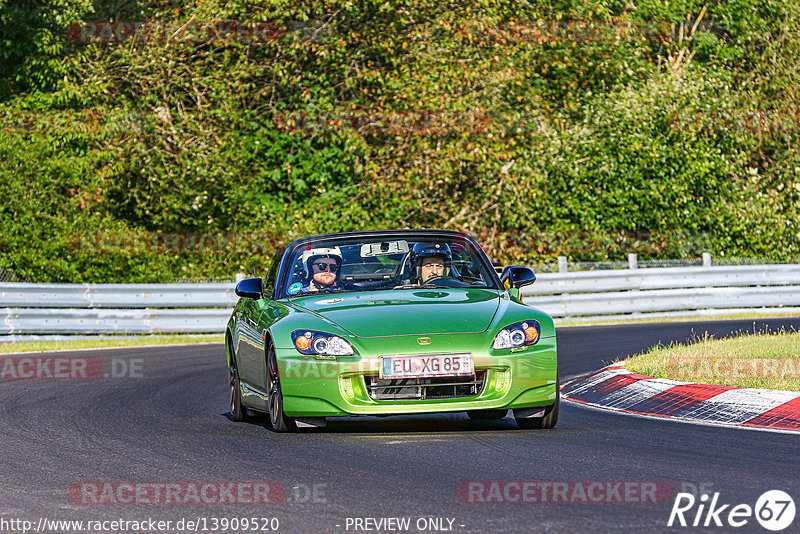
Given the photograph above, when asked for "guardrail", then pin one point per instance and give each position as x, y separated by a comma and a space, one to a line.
665, 292
34, 309
118, 295
115, 308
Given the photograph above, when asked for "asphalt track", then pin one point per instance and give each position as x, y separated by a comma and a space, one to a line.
171, 424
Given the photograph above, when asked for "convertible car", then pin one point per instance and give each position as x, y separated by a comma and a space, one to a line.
388, 323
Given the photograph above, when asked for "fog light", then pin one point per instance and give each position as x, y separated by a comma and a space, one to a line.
346, 387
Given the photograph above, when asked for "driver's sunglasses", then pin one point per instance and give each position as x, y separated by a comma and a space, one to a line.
325, 266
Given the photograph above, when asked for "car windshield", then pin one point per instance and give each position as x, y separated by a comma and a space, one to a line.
388, 262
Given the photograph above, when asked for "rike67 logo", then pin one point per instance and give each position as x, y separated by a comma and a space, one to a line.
774, 510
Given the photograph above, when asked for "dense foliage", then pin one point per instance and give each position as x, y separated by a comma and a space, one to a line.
586, 128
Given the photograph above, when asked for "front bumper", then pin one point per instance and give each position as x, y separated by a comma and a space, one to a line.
334, 388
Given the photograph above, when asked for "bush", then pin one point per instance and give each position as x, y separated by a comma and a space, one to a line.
586, 129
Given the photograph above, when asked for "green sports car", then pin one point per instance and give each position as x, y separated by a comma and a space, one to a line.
389, 323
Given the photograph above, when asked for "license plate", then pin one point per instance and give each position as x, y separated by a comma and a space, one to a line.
426, 366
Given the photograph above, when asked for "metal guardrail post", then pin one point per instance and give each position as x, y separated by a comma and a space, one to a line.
706, 259
240, 277
633, 264
562, 264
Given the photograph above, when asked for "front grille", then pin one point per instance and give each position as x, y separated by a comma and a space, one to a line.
425, 388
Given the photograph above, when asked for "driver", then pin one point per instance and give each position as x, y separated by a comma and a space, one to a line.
430, 261
321, 268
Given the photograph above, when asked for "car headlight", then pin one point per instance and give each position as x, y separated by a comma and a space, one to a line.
518, 334
314, 342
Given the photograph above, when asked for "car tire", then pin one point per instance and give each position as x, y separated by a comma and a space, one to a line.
238, 412
548, 420
484, 415
279, 421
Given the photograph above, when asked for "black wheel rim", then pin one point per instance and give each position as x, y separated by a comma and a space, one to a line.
232, 379
274, 404
275, 407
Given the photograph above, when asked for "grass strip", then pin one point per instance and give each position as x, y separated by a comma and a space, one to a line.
106, 342
764, 360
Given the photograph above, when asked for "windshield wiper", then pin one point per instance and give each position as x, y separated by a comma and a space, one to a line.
319, 292
426, 286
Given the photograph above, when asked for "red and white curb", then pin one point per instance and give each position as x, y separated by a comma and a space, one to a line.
619, 389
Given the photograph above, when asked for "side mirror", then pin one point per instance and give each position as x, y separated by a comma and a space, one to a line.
251, 288
518, 276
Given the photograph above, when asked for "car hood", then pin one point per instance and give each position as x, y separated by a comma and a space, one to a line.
406, 311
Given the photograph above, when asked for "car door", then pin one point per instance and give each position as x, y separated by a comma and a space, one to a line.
257, 317
250, 343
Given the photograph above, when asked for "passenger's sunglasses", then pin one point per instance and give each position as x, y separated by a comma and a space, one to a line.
325, 266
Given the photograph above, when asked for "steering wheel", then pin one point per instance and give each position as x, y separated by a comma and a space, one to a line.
440, 279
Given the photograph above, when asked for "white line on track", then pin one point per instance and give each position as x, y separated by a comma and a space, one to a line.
403, 441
